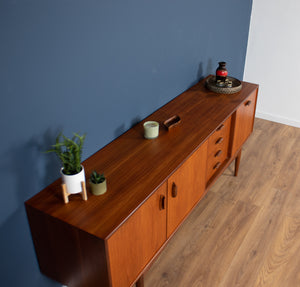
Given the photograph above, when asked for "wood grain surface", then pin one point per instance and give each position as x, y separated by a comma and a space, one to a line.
189, 182
150, 162
132, 246
246, 231
130, 224
244, 121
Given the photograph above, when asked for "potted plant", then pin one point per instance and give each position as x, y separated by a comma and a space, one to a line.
69, 151
98, 183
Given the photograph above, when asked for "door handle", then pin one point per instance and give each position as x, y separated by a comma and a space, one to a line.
162, 202
248, 103
174, 189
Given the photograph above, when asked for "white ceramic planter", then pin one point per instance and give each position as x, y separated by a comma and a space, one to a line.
73, 182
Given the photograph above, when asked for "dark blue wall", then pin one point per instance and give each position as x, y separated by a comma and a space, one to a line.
95, 67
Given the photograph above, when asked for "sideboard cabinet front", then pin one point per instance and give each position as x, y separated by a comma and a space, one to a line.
244, 119
186, 187
110, 240
134, 244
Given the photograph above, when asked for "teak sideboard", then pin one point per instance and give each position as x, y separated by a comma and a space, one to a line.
110, 240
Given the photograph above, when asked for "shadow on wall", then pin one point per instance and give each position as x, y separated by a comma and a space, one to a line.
122, 128
26, 170
200, 73
18, 261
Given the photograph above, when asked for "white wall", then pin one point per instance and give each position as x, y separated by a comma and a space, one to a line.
273, 59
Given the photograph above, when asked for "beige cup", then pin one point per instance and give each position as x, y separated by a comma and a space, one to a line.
151, 130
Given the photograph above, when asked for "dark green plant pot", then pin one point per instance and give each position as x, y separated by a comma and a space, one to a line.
99, 188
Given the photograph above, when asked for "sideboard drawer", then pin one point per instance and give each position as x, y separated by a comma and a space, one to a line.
218, 144
213, 164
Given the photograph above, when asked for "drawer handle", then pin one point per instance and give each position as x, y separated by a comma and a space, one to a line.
218, 153
162, 202
219, 140
174, 189
248, 103
217, 165
220, 127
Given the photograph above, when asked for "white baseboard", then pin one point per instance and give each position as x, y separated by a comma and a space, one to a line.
277, 119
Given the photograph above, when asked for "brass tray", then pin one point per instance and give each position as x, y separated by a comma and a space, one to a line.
211, 84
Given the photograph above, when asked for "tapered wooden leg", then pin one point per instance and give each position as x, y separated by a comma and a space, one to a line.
237, 162
65, 193
83, 192
140, 282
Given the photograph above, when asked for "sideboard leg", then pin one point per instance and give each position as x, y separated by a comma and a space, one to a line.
237, 162
140, 282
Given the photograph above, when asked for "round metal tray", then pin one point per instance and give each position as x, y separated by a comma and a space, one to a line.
211, 84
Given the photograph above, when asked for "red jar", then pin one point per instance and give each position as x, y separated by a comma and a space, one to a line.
221, 72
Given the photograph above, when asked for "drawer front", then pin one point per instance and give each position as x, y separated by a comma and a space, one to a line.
218, 144
219, 137
214, 163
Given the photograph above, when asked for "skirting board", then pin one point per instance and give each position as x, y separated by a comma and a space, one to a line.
277, 119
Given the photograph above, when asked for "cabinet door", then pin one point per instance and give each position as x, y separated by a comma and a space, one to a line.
186, 187
133, 245
244, 119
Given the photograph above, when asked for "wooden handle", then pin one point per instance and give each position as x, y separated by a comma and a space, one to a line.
248, 103
162, 202
171, 122
218, 153
217, 165
174, 189
219, 140
220, 127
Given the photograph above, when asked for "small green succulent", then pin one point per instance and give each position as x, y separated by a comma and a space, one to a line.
96, 177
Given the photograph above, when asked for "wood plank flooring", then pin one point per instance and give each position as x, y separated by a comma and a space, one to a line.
246, 230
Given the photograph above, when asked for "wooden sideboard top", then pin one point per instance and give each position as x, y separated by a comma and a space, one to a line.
136, 167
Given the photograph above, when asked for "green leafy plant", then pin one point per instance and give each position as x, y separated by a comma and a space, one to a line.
97, 178
69, 151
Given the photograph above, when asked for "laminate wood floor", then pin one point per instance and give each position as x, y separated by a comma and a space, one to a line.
246, 230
